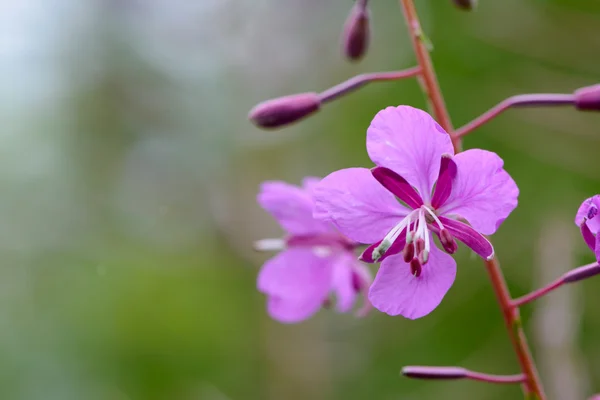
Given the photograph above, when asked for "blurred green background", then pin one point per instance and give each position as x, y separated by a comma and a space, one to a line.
129, 173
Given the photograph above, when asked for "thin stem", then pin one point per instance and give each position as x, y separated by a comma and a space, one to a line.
522, 100
531, 385
478, 376
575, 275
536, 294
360, 80
428, 80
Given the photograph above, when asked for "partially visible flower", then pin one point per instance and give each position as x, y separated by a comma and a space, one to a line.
315, 261
588, 221
416, 165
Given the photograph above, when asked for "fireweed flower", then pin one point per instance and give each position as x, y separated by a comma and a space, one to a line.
438, 190
315, 261
588, 221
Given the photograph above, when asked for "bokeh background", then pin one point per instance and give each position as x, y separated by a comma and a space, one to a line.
129, 173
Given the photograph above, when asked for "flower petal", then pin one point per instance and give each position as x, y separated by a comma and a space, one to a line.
583, 210
396, 291
588, 237
483, 192
395, 248
297, 282
470, 237
597, 249
291, 206
343, 281
357, 205
398, 186
309, 183
408, 141
443, 187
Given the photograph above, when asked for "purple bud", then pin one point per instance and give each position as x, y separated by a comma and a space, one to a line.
284, 110
588, 98
578, 274
465, 4
448, 241
434, 372
355, 37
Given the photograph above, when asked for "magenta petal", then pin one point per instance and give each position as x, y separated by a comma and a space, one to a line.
395, 248
408, 141
396, 292
470, 237
343, 281
297, 282
588, 237
398, 186
357, 205
597, 249
583, 210
291, 206
483, 192
443, 187
309, 183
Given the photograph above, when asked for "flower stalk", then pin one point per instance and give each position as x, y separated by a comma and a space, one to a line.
522, 100
282, 111
575, 275
532, 386
453, 373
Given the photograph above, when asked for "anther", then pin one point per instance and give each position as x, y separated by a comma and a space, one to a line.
420, 246
409, 252
448, 241
415, 267
423, 257
380, 250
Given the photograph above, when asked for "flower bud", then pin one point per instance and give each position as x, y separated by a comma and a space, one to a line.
581, 273
434, 372
588, 98
465, 4
355, 37
284, 110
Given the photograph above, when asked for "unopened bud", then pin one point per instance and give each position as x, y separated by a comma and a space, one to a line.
284, 110
409, 252
355, 38
581, 273
465, 4
415, 267
448, 241
434, 372
588, 98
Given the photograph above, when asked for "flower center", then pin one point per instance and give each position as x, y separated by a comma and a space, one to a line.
418, 241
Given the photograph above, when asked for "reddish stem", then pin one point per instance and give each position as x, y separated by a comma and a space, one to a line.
522, 100
536, 294
531, 385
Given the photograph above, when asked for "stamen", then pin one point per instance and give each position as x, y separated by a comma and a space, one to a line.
435, 217
448, 241
592, 212
409, 252
415, 267
391, 237
269, 245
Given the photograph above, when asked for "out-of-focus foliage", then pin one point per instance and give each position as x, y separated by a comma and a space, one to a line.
129, 171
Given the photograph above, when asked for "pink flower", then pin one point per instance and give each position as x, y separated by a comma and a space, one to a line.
589, 223
416, 165
316, 259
